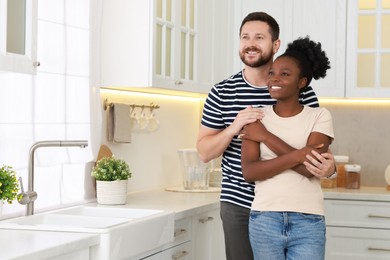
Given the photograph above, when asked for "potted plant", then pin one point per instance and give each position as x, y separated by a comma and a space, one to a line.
111, 176
9, 185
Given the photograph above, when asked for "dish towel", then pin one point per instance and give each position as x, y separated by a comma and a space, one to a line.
118, 123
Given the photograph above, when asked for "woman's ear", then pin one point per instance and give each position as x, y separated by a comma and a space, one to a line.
302, 82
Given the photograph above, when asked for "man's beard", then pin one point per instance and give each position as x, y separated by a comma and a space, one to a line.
264, 59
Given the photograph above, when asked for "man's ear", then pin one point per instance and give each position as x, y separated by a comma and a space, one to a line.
275, 46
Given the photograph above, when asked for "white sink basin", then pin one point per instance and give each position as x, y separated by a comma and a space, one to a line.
124, 232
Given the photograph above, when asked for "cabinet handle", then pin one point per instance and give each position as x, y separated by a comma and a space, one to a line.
378, 249
179, 255
378, 216
179, 82
180, 232
204, 220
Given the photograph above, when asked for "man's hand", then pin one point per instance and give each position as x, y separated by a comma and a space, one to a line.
320, 165
244, 117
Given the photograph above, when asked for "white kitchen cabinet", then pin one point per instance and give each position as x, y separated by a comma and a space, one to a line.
157, 43
368, 47
18, 36
323, 20
207, 236
357, 229
222, 47
180, 248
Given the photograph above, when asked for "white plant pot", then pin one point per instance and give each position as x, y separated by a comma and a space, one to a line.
111, 192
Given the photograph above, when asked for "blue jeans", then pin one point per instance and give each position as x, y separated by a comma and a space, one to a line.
287, 235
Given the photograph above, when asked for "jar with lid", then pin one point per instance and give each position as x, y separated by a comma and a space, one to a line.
352, 176
340, 161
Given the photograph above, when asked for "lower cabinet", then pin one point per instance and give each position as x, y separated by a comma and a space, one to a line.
357, 230
207, 236
199, 237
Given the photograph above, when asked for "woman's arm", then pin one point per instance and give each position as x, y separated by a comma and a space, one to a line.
288, 157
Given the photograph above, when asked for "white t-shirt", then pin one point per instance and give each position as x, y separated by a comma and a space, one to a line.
289, 190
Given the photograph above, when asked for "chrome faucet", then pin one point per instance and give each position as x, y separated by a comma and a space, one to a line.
27, 198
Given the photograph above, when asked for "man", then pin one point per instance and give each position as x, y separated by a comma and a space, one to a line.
230, 105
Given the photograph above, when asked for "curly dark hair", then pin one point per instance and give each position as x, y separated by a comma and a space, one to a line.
310, 57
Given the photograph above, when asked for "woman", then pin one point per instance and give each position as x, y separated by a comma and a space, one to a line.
287, 216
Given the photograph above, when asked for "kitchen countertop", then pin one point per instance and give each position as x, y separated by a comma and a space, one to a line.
23, 244
184, 204
40, 244
364, 193
27, 245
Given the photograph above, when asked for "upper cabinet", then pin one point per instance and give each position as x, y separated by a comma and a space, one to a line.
354, 35
158, 43
18, 23
323, 20
368, 49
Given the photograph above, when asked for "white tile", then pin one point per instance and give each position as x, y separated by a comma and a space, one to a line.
77, 96
77, 13
51, 47
77, 52
49, 98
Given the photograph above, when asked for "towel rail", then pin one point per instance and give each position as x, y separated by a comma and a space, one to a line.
151, 105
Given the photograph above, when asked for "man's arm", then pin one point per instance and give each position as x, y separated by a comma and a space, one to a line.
211, 143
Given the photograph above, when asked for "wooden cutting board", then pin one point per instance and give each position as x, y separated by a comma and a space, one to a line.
104, 151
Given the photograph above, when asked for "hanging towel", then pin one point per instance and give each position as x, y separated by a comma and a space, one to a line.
118, 123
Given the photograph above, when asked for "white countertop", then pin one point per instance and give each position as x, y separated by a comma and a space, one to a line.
40, 244
24, 244
364, 193
184, 204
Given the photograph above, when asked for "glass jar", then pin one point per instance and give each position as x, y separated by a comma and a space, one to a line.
352, 176
340, 161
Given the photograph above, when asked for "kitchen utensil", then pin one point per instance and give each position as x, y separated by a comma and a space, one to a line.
104, 151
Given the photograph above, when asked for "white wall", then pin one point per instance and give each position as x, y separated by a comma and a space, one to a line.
153, 156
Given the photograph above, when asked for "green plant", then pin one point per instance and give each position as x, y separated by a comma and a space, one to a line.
111, 169
9, 185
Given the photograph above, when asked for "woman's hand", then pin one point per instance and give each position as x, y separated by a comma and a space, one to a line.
255, 132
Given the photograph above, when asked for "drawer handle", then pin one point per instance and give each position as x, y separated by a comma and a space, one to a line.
180, 232
378, 216
204, 220
179, 255
378, 249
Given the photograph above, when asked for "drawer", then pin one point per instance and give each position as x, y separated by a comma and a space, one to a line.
183, 231
366, 214
357, 244
180, 252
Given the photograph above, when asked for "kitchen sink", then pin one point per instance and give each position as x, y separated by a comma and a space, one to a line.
124, 232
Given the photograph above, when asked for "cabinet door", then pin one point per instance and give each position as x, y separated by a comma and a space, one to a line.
368, 57
208, 240
18, 36
357, 244
325, 22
